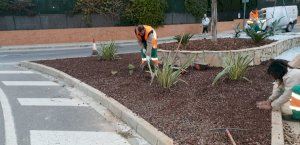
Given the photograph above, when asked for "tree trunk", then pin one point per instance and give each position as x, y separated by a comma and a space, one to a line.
214, 17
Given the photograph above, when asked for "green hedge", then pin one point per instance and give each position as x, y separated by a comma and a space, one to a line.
150, 12
196, 7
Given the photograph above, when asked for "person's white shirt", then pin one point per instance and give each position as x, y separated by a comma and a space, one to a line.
205, 21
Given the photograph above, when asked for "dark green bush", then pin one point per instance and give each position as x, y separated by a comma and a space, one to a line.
149, 12
3, 5
18, 7
112, 8
196, 7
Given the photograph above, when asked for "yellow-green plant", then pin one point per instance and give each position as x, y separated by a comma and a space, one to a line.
108, 51
168, 75
235, 67
131, 68
185, 39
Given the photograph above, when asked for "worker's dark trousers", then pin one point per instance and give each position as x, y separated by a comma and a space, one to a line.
205, 29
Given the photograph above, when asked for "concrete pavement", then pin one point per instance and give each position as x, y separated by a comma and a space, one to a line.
40, 110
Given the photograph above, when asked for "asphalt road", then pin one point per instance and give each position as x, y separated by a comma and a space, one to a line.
27, 55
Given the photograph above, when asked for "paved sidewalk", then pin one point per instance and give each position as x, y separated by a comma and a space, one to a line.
40, 110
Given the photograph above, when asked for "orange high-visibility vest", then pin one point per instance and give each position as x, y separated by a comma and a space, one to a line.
148, 31
295, 99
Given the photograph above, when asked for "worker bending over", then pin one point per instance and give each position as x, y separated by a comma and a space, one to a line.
147, 40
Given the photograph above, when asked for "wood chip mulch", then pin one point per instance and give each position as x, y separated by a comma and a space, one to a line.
185, 113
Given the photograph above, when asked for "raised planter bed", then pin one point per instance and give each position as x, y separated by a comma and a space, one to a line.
185, 113
213, 54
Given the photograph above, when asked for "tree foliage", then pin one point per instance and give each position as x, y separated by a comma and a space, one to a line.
112, 8
196, 7
149, 12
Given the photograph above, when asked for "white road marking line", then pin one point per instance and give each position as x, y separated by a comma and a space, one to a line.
16, 72
29, 83
51, 102
10, 131
44, 137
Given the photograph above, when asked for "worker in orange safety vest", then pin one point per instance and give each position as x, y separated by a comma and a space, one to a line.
295, 103
147, 40
284, 90
254, 14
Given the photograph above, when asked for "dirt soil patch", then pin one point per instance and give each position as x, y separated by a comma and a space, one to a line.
221, 44
185, 113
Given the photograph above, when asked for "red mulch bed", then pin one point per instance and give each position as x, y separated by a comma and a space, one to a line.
221, 44
185, 113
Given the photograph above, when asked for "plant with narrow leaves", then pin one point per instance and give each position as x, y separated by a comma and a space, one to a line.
235, 67
238, 30
275, 28
257, 36
255, 32
185, 39
131, 68
169, 75
108, 51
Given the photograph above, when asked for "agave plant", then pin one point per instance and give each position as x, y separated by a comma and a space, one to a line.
257, 36
238, 30
108, 51
235, 67
256, 33
167, 76
275, 28
183, 38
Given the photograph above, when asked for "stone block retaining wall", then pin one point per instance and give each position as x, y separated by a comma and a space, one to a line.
216, 58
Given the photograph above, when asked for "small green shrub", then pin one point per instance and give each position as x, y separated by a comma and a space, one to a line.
167, 76
257, 36
255, 32
108, 51
275, 28
149, 12
238, 30
196, 7
184, 39
112, 8
235, 67
131, 68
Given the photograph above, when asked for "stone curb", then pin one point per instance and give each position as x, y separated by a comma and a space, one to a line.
142, 127
277, 129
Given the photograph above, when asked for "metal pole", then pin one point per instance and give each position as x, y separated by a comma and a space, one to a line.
244, 21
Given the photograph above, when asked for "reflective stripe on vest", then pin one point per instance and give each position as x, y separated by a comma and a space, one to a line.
295, 102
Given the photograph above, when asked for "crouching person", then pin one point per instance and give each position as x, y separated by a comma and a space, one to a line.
287, 80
